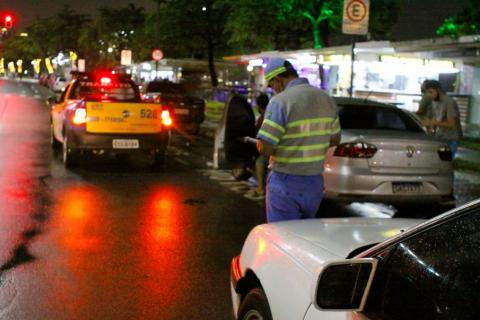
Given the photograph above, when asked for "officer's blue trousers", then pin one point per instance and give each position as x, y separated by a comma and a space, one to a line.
291, 197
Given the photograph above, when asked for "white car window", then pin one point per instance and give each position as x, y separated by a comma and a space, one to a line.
434, 275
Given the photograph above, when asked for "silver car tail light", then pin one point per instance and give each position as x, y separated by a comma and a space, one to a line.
445, 153
359, 150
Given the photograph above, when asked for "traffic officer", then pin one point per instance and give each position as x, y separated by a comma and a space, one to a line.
301, 123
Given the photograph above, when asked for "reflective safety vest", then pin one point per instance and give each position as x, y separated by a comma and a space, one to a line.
299, 122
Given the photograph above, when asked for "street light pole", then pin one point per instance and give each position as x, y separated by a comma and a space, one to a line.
352, 70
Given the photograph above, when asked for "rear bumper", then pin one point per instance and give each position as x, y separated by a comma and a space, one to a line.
353, 184
82, 140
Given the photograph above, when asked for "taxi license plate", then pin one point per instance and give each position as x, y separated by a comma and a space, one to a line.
182, 111
407, 187
125, 144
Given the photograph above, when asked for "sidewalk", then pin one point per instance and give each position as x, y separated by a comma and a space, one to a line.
468, 155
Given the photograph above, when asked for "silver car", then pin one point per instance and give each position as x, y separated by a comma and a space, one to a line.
386, 156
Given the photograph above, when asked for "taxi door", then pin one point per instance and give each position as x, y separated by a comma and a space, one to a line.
57, 113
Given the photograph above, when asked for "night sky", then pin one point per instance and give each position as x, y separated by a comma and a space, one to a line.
418, 19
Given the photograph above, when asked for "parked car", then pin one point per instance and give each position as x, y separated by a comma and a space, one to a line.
188, 112
60, 84
384, 156
102, 113
354, 269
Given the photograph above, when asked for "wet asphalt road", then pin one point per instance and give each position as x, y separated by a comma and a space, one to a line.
110, 241
113, 240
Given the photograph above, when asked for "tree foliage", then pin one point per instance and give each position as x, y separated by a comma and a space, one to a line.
260, 24
115, 30
202, 29
194, 28
466, 22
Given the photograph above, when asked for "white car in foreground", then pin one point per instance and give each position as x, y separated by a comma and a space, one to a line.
361, 269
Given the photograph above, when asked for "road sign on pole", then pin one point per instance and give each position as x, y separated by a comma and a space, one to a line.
126, 58
157, 54
355, 16
81, 65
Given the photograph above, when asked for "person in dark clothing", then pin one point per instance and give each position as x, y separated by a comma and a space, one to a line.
262, 162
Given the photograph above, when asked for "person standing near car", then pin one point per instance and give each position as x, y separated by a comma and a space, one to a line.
301, 123
445, 121
261, 163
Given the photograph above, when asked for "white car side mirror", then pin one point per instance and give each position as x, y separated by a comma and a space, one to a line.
344, 285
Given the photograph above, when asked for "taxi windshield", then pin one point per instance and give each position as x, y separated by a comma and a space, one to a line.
97, 91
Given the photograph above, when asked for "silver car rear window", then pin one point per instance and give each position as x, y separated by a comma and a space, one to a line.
375, 118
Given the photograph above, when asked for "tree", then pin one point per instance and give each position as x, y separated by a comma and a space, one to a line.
66, 25
102, 41
194, 28
321, 14
48, 36
466, 22
259, 25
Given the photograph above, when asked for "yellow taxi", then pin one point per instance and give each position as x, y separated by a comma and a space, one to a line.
103, 114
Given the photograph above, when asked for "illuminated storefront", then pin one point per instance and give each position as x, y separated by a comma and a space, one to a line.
385, 71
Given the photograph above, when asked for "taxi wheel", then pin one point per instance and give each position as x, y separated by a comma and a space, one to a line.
53, 141
255, 306
69, 158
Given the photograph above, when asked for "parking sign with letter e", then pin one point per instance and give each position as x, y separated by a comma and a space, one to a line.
355, 16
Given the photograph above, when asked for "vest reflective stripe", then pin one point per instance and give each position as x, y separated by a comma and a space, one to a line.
268, 135
307, 154
320, 146
298, 160
311, 127
274, 125
336, 126
307, 134
309, 121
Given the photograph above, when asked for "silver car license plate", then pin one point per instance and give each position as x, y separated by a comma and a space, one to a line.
407, 187
125, 144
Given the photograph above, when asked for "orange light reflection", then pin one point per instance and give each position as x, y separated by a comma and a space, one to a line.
166, 244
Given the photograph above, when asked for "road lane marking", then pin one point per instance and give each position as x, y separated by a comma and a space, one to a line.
225, 179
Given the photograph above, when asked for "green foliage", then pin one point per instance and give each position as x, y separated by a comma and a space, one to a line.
118, 29
194, 28
267, 24
202, 29
466, 22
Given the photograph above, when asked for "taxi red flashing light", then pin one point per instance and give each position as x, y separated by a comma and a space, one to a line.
8, 21
105, 81
166, 119
80, 116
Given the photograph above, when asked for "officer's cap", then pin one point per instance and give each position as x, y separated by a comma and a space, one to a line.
275, 67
